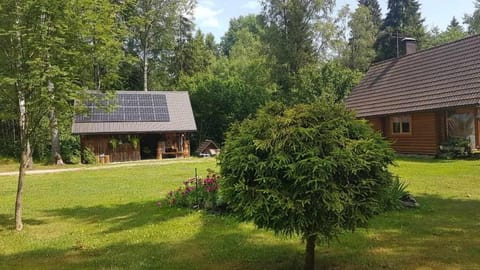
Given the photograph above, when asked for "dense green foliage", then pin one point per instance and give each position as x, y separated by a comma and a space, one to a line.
363, 32
473, 20
53, 51
251, 23
310, 170
154, 27
291, 30
375, 11
453, 32
331, 80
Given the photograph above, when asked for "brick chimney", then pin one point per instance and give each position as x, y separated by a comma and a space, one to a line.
410, 45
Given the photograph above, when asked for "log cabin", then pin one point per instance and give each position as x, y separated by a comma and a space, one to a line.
422, 99
133, 125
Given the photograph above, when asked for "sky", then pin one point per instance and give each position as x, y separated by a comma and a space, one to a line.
213, 16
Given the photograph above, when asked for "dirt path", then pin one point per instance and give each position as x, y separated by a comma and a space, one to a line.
109, 166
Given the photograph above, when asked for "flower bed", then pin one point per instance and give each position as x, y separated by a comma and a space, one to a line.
196, 193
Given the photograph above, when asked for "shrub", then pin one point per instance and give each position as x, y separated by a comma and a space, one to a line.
455, 147
390, 198
70, 149
196, 193
88, 156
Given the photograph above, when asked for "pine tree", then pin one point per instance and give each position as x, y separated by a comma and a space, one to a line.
375, 11
403, 20
454, 23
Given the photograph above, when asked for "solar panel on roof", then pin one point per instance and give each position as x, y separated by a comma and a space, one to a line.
126, 108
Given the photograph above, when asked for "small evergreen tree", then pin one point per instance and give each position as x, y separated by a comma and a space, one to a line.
311, 170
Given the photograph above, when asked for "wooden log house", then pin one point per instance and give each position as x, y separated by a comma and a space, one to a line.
422, 99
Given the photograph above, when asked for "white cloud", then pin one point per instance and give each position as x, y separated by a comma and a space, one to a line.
206, 15
253, 4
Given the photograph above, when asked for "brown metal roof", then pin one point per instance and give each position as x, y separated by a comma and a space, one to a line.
440, 77
180, 118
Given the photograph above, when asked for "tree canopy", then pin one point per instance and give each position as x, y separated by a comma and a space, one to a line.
403, 20
363, 33
473, 20
375, 11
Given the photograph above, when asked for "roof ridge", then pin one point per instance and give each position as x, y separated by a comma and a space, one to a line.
425, 50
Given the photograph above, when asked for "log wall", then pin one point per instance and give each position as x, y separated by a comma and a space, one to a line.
428, 131
424, 138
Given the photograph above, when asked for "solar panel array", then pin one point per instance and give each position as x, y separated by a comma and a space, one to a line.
126, 108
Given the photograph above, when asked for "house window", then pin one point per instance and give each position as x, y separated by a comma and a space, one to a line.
402, 124
461, 125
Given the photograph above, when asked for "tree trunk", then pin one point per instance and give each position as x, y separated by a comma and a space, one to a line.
310, 252
55, 141
19, 200
22, 117
145, 58
29, 160
145, 72
56, 156
24, 160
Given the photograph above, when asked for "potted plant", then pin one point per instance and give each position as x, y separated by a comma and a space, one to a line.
135, 141
114, 143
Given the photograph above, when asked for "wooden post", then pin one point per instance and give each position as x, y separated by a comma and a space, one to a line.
160, 149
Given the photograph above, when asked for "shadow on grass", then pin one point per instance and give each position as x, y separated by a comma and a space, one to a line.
220, 243
442, 233
433, 160
120, 217
428, 160
7, 222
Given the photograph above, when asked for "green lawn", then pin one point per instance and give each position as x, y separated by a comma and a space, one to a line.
108, 219
9, 165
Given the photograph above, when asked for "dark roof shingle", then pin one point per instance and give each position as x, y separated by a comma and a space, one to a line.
440, 77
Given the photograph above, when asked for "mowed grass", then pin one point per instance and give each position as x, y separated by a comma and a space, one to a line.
10, 165
108, 219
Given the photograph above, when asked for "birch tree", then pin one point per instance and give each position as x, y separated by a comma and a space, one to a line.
44, 54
